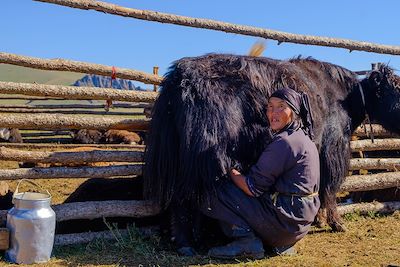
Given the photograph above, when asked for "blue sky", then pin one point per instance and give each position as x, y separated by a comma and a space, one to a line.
50, 31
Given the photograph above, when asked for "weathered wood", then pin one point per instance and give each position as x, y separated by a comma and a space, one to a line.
75, 92
226, 27
4, 238
99, 209
76, 66
69, 146
80, 238
67, 157
62, 111
60, 121
56, 140
70, 172
107, 208
44, 133
78, 106
371, 182
32, 98
377, 131
378, 144
365, 208
375, 164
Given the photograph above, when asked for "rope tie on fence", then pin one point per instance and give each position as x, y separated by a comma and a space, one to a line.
109, 103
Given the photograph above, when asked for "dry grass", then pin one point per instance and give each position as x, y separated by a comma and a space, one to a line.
370, 241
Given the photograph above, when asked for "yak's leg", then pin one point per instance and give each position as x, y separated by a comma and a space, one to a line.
320, 219
334, 156
181, 219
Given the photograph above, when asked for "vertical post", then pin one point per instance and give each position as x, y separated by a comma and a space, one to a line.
155, 72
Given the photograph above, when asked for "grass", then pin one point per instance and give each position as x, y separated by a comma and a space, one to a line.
369, 241
11, 73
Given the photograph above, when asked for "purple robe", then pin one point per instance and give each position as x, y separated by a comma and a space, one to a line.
285, 181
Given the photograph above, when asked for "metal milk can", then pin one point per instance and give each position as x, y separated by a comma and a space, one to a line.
31, 223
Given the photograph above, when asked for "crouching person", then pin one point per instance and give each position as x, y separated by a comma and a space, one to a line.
276, 202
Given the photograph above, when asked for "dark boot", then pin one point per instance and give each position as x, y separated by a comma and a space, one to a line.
248, 246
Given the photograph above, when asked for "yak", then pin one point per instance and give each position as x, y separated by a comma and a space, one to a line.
210, 116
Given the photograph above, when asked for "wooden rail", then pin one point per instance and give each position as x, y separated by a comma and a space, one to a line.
60, 121
377, 145
70, 146
66, 157
375, 164
71, 172
371, 182
76, 66
226, 27
74, 92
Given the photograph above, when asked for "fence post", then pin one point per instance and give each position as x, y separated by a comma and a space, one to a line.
155, 72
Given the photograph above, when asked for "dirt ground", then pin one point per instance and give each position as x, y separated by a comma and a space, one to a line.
373, 240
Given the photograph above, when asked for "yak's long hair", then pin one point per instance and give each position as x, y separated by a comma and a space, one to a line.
211, 115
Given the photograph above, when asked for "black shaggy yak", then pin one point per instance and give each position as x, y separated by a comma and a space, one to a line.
211, 115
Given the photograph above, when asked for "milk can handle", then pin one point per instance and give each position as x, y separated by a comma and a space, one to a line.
32, 183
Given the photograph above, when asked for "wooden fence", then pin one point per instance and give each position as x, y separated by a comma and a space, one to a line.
53, 119
130, 157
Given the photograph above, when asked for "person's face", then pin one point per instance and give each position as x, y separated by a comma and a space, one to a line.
279, 113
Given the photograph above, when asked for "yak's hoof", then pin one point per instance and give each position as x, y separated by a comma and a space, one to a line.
338, 227
187, 251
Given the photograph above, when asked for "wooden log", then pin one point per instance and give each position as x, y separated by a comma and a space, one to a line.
57, 140
67, 157
4, 238
32, 98
60, 121
76, 66
62, 111
110, 208
371, 182
70, 172
77, 106
365, 208
44, 133
99, 209
81, 238
226, 27
74, 92
375, 164
377, 145
69, 146
377, 131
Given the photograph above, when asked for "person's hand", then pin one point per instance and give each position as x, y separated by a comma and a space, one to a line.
240, 181
234, 173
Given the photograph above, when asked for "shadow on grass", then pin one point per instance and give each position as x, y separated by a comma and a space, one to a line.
133, 249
